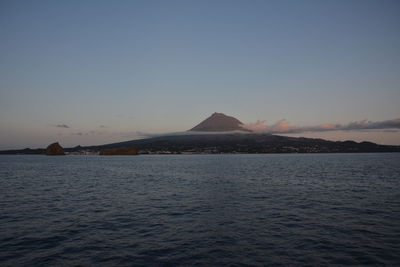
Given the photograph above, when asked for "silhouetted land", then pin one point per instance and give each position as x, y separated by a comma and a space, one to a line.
55, 150
228, 143
219, 122
119, 151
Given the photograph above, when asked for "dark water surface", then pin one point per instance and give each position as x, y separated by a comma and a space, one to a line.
310, 209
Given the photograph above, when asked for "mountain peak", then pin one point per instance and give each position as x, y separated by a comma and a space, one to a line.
219, 122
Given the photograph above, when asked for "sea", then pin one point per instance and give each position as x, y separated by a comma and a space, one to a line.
204, 210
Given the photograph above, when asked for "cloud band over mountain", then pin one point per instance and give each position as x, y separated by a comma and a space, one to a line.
283, 126
280, 127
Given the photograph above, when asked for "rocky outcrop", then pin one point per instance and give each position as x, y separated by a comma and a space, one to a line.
120, 151
55, 150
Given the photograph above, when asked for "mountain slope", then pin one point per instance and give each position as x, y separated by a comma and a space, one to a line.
245, 143
230, 143
219, 122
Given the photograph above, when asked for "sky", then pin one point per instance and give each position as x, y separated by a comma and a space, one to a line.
95, 72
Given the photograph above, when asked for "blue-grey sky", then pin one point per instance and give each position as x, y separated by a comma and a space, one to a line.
93, 72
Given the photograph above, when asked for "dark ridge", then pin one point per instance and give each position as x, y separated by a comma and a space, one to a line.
25, 151
244, 143
230, 143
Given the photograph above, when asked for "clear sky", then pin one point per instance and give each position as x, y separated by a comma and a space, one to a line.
93, 72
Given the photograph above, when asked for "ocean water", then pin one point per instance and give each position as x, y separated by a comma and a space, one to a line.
207, 210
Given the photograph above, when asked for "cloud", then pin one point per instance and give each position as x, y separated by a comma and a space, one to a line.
389, 124
61, 126
258, 126
261, 126
79, 133
127, 134
283, 126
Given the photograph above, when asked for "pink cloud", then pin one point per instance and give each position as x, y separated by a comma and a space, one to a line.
283, 126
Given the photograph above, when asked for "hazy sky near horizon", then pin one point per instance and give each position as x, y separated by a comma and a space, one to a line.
93, 72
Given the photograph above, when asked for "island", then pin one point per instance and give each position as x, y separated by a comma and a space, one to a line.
55, 149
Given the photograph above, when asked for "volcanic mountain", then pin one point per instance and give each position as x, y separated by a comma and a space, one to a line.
221, 138
219, 122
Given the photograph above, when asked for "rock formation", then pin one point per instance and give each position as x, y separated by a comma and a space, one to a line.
55, 150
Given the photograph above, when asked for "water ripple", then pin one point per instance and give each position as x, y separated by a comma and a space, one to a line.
236, 210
